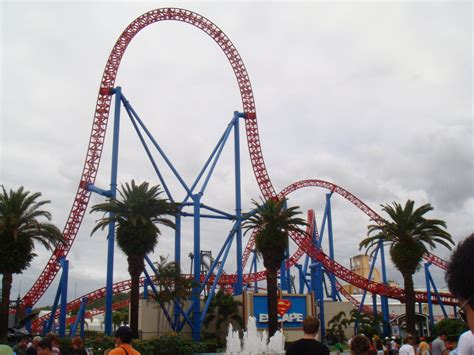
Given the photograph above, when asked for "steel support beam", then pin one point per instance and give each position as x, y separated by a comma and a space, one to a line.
196, 299
384, 299
238, 202
111, 235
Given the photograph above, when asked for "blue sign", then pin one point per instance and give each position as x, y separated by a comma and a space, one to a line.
293, 316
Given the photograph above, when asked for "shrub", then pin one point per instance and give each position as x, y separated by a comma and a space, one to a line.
454, 327
99, 343
168, 344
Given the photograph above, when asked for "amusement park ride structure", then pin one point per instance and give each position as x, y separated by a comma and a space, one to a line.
317, 266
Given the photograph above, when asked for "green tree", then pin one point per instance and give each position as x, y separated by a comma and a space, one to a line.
453, 327
223, 308
338, 324
137, 215
407, 233
367, 323
273, 223
22, 223
171, 285
118, 317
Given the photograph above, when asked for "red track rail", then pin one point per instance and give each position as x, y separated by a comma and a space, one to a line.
97, 137
348, 196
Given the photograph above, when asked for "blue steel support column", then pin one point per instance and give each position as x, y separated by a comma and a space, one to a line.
384, 299
64, 281
288, 271
196, 331
83, 315
254, 263
111, 236
238, 202
435, 289
283, 280
282, 276
28, 324
214, 284
45, 327
145, 289
331, 244
177, 257
79, 319
301, 278
374, 304
428, 295
49, 323
320, 296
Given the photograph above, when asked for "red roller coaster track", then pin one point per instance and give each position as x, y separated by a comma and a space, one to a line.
96, 144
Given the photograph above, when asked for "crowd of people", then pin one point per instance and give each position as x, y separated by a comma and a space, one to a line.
48, 345
460, 279
409, 345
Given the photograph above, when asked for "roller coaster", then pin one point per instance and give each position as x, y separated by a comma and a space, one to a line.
318, 265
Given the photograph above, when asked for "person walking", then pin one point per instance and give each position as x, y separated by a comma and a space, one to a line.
78, 346
438, 346
308, 343
45, 347
21, 347
460, 279
423, 347
123, 342
407, 347
465, 344
360, 345
393, 346
33, 349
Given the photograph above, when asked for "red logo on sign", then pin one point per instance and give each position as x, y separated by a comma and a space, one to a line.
283, 306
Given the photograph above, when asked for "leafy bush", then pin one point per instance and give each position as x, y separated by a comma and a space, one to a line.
454, 327
174, 344
168, 344
65, 345
99, 342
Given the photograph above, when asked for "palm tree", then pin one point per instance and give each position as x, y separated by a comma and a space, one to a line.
223, 308
338, 323
171, 284
407, 234
136, 216
21, 225
273, 222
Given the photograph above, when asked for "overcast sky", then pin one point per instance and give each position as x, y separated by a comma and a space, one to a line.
375, 97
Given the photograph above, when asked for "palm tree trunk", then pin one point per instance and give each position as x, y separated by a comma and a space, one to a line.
4, 306
409, 302
272, 301
135, 268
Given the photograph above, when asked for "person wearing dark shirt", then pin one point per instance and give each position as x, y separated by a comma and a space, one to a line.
78, 346
20, 348
33, 349
360, 345
308, 345
460, 279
